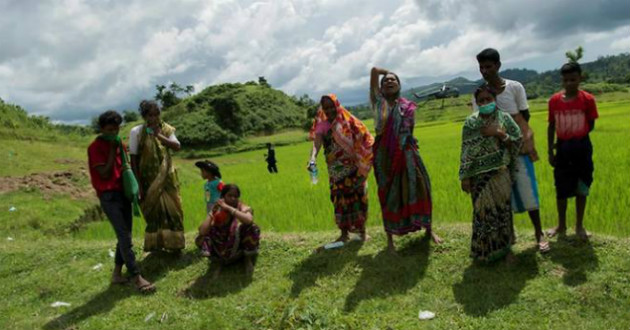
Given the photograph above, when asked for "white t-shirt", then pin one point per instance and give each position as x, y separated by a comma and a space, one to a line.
512, 100
134, 139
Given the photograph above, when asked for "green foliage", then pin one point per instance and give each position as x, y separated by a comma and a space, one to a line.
602, 87
16, 123
171, 96
130, 116
233, 111
575, 56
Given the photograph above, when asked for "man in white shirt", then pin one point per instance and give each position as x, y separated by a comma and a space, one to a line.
511, 98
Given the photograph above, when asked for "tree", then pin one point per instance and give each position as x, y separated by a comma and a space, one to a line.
94, 125
170, 96
575, 56
263, 82
130, 116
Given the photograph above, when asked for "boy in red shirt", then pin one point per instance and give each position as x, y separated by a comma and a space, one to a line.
572, 115
105, 163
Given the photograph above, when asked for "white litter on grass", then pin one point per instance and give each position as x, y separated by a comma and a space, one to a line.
60, 304
111, 253
426, 315
9, 238
164, 317
150, 316
97, 267
12, 209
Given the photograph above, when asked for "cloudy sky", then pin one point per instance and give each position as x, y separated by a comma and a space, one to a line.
72, 59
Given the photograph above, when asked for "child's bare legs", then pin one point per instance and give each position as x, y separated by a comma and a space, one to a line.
543, 245
561, 229
580, 207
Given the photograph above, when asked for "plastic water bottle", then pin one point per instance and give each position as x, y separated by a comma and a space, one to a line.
334, 245
312, 167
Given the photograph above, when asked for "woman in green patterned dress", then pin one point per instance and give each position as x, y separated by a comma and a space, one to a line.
490, 142
150, 146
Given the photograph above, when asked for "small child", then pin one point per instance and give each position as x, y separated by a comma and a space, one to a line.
212, 188
212, 193
572, 115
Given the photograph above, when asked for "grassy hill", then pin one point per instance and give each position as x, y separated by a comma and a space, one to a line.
223, 114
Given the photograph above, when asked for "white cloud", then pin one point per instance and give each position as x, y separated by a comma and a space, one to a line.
75, 58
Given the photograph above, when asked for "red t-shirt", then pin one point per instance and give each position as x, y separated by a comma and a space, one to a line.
571, 117
98, 152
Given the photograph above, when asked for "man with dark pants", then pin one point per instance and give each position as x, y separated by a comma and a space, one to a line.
511, 98
105, 163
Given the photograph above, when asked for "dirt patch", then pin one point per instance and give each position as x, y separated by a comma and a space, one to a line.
67, 161
74, 183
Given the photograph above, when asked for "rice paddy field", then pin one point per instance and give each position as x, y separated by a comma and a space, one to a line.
288, 202
54, 248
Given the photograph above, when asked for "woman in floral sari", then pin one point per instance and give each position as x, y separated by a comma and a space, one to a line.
150, 146
404, 189
491, 141
229, 233
348, 150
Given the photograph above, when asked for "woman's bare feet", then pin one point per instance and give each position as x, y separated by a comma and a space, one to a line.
582, 234
435, 237
364, 236
560, 231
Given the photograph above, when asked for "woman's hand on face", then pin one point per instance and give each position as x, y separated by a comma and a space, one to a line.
221, 202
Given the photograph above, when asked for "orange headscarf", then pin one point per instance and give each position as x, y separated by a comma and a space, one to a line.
349, 132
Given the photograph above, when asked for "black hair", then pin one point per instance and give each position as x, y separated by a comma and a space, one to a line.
485, 88
146, 106
397, 79
489, 54
228, 187
109, 117
210, 167
571, 67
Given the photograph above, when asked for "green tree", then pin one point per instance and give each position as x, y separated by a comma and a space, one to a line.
130, 116
263, 82
576, 55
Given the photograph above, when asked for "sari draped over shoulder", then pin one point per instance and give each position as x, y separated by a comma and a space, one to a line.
404, 187
489, 164
161, 204
348, 149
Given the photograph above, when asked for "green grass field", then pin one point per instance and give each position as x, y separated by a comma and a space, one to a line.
288, 202
580, 286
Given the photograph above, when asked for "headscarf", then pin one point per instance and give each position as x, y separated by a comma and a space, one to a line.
348, 132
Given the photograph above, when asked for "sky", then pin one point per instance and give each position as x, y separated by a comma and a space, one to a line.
72, 59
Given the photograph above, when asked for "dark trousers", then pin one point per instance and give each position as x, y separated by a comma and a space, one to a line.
118, 210
272, 168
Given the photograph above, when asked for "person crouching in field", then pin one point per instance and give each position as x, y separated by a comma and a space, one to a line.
105, 163
212, 192
348, 149
230, 233
572, 115
491, 141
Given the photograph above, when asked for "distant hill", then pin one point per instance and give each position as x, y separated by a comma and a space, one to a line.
16, 123
222, 114
601, 75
